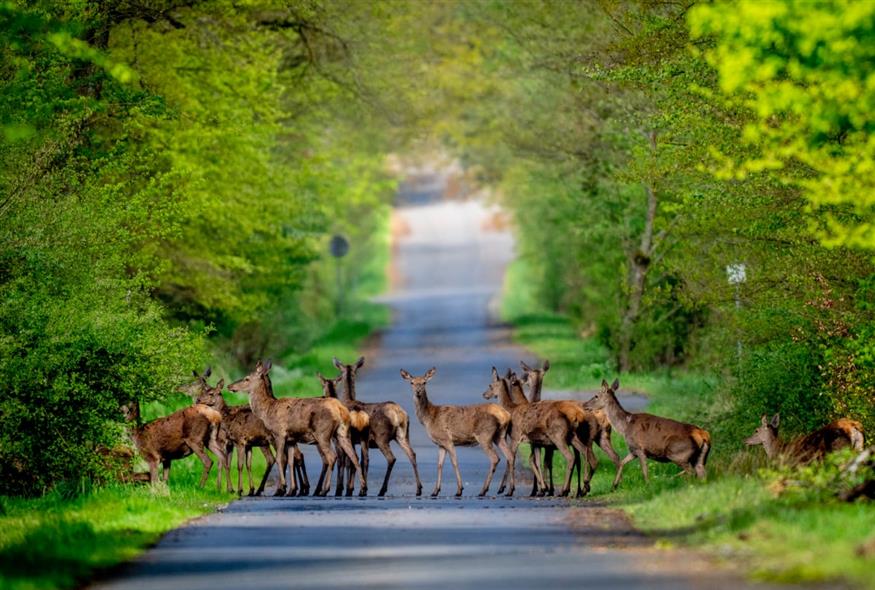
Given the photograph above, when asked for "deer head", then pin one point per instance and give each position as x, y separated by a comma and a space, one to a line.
329, 386
253, 379
198, 386
418, 383
495, 386
766, 433
212, 396
605, 394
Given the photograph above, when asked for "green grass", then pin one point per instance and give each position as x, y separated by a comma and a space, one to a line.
737, 514
62, 539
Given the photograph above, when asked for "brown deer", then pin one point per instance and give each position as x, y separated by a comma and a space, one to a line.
186, 431
304, 420
813, 446
597, 428
359, 433
543, 423
449, 426
388, 422
648, 436
242, 430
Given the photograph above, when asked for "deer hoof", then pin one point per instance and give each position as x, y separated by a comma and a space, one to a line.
305, 492
291, 493
418, 491
435, 493
363, 493
251, 491
384, 490
509, 492
563, 494
459, 494
278, 492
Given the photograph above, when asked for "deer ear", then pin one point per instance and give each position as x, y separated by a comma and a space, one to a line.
430, 373
360, 363
494, 374
405, 375
268, 365
259, 365
546, 366
320, 376
195, 375
604, 384
524, 366
763, 420
776, 419
337, 363
615, 385
220, 385
207, 372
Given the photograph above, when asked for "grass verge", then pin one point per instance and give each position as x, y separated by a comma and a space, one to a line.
739, 514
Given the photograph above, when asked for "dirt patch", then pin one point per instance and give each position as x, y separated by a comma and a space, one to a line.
498, 221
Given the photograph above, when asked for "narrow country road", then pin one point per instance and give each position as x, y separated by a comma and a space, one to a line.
448, 268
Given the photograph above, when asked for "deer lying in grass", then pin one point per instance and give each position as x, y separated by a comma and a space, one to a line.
653, 437
596, 429
176, 436
242, 430
388, 421
544, 423
809, 447
359, 430
304, 420
449, 426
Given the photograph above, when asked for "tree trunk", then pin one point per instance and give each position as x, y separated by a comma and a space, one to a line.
639, 265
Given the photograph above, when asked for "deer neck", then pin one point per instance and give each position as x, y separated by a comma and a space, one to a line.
616, 414
424, 408
348, 388
535, 390
774, 447
261, 397
515, 395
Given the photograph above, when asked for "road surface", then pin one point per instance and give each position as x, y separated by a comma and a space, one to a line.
448, 267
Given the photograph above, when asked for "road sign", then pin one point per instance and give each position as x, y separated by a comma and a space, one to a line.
339, 246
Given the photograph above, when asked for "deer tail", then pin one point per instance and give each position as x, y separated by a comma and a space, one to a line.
856, 436
703, 439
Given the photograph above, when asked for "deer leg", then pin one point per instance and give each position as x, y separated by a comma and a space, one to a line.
341, 473
280, 444
301, 472
486, 445
365, 460
593, 465
198, 450
451, 450
604, 442
411, 456
346, 445
643, 459
442, 454
384, 447
249, 471
562, 446
619, 474
329, 458
511, 462
548, 468
166, 468
241, 458
535, 460
536, 469
586, 451
290, 459
268, 458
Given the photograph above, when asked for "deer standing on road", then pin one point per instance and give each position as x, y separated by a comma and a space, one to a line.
842, 433
242, 430
294, 420
596, 429
648, 436
449, 426
186, 431
387, 422
359, 428
553, 423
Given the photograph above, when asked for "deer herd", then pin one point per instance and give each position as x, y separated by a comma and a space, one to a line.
337, 423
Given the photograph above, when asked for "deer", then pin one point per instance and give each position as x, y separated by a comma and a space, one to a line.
597, 428
448, 426
292, 420
359, 433
388, 422
554, 423
810, 447
186, 431
242, 430
653, 437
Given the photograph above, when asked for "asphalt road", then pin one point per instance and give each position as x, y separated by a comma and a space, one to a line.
448, 269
